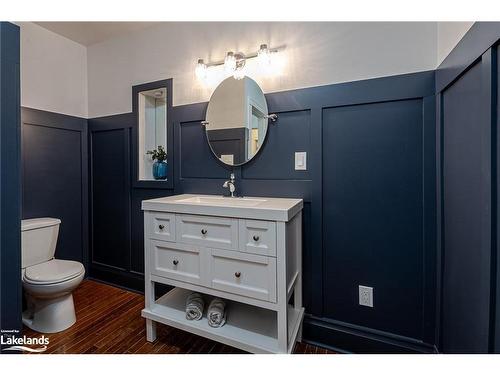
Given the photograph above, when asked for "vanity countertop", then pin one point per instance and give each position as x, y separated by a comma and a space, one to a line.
259, 208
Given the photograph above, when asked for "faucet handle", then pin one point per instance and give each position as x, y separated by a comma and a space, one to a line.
231, 176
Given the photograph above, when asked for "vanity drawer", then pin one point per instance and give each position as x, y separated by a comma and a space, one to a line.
258, 237
208, 231
244, 274
175, 261
161, 226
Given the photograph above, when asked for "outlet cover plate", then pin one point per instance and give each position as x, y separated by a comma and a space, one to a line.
365, 296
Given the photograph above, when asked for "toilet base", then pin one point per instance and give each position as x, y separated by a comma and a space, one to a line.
50, 315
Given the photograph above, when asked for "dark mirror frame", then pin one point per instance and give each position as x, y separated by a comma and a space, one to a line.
159, 184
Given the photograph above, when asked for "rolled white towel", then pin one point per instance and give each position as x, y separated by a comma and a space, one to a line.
194, 306
216, 313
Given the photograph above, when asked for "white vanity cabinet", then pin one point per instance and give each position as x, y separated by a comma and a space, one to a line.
247, 251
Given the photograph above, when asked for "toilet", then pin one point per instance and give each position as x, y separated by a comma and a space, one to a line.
48, 283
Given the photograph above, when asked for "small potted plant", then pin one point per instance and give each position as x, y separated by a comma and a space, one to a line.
159, 166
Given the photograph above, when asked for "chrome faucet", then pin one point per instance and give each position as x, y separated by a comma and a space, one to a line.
229, 184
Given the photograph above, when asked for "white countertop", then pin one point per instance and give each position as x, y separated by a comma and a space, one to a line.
259, 208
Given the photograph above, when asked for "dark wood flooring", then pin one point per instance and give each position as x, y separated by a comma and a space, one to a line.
109, 321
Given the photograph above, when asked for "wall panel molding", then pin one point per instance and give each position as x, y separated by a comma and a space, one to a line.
55, 177
467, 84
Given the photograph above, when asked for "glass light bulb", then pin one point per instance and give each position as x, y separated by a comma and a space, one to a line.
230, 62
201, 70
239, 73
264, 56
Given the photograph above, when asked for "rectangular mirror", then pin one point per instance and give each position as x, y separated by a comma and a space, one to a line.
152, 132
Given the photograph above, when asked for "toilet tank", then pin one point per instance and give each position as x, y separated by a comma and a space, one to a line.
38, 240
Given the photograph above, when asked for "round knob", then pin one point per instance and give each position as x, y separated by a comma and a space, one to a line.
203, 231
237, 274
255, 238
161, 226
175, 262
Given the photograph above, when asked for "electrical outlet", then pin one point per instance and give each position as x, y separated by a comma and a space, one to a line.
365, 296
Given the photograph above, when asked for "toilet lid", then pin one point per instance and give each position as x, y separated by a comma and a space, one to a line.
53, 271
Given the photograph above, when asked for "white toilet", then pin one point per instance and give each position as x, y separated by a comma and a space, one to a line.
48, 282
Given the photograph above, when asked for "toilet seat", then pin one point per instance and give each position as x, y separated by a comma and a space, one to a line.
54, 271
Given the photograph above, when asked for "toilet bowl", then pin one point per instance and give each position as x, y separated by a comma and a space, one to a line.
48, 283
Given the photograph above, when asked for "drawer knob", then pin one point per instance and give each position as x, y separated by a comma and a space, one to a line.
237, 274
203, 231
175, 262
161, 226
255, 238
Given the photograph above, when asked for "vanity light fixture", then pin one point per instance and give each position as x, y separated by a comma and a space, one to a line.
234, 63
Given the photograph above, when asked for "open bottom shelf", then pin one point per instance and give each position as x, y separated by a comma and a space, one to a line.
247, 327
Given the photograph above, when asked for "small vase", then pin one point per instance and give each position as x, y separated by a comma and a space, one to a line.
160, 170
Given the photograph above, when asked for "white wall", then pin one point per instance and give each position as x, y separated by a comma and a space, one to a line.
448, 36
53, 72
315, 54
63, 76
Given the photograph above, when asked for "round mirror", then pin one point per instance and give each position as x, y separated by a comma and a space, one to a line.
236, 123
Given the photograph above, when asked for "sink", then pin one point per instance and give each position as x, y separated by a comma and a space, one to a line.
258, 208
223, 201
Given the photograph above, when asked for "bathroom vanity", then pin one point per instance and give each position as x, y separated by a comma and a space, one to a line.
247, 251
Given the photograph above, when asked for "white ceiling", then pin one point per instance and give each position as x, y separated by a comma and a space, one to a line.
88, 33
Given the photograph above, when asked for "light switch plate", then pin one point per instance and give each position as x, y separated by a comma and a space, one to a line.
301, 161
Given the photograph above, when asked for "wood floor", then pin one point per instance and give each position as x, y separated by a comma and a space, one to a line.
109, 321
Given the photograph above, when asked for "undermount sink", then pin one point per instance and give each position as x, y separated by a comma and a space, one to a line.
223, 201
259, 208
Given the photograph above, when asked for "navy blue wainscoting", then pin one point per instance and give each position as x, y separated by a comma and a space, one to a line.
496, 183
373, 214
10, 197
467, 99
117, 223
55, 177
371, 168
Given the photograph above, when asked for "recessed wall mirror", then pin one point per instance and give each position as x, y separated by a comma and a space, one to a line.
237, 120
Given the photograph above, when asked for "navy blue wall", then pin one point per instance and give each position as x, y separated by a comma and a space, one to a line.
10, 203
390, 122
373, 220
467, 99
496, 182
116, 220
54, 177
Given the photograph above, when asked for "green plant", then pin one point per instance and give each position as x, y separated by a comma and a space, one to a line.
159, 154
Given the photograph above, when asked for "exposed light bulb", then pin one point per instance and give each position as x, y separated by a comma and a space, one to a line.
239, 72
264, 56
230, 62
201, 70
